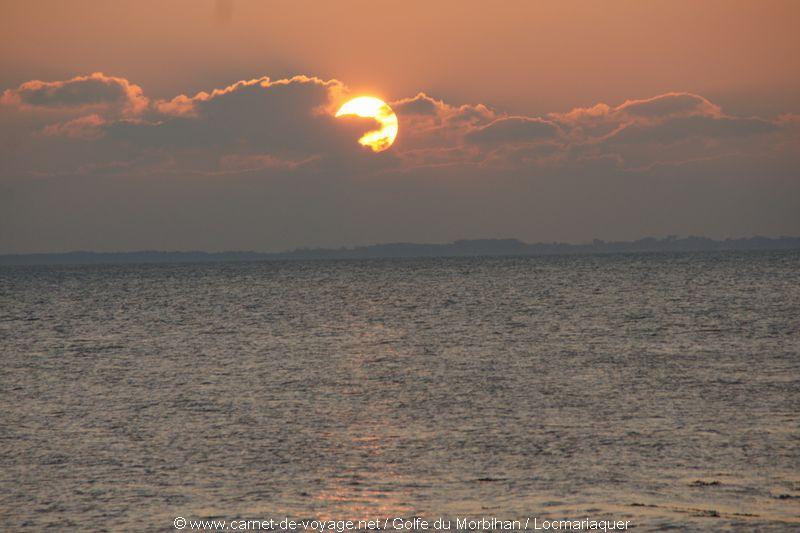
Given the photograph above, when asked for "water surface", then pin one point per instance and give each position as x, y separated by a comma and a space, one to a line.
662, 389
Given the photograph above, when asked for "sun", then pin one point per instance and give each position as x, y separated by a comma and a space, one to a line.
371, 107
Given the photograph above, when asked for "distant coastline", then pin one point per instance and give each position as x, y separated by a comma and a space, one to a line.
460, 248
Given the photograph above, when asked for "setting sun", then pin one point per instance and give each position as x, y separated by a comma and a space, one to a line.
370, 107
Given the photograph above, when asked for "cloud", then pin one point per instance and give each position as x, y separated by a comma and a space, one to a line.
253, 124
669, 105
87, 127
428, 124
288, 125
691, 127
255, 162
659, 107
670, 128
93, 91
291, 115
473, 115
600, 120
427, 109
514, 130
421, 104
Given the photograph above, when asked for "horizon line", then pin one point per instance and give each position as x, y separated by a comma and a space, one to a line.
509, 246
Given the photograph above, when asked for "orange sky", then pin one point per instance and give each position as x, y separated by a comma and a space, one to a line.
540, 120
519, 56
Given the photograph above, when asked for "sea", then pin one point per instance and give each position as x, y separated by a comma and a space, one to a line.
661, 390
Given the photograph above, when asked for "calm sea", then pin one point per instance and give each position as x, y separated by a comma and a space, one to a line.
660, 389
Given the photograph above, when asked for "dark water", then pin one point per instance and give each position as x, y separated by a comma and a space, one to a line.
661, 389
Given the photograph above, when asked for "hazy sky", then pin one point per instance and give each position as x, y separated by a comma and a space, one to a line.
209, 125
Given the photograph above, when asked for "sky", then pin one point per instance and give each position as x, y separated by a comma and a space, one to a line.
209, 125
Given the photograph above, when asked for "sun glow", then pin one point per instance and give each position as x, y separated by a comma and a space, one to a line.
370, 107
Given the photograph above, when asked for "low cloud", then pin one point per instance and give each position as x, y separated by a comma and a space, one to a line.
291, 115
421, 104
88, 127
669, 105
692, 127
513, 130
288, 125
113, 94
